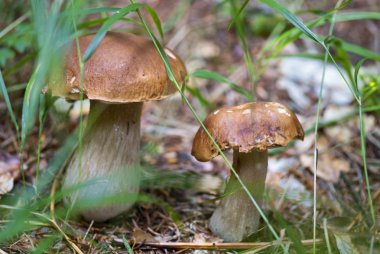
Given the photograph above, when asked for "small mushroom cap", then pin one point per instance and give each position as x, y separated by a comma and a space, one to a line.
251, 126
124, 68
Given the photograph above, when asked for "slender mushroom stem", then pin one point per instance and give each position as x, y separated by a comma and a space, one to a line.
236, 217
109, 162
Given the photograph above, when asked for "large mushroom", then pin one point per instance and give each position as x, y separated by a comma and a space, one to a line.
124, 71
250, 130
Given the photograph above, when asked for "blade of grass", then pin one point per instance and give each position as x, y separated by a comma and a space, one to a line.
363, 143
292, 19
360, 51
81, 97
321, 125
196, 93
105, 27
14, 24
4, 92
17, 87
50, 32
305, 30
240, 28
171, 76
45, 244
277, 44
327, 239
320, 97
41, 121
290, 231
20, 63
95, 22
127, 246
237, 14
115, 17
206, 74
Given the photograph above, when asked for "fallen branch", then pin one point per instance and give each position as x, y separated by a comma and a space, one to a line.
214, 246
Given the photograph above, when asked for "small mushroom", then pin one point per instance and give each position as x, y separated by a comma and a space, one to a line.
250, 130
124, 71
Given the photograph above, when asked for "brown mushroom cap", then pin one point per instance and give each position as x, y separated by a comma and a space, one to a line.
251, 126
124, 68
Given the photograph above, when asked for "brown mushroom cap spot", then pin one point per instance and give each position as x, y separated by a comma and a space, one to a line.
124, 68
251, 126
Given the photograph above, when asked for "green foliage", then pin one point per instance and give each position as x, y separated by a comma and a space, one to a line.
5, 54
206, 74
371, 90
5, 95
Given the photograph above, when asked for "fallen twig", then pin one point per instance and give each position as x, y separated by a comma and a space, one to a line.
213, 246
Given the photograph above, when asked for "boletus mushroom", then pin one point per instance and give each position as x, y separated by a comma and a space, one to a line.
250, 130
123, 72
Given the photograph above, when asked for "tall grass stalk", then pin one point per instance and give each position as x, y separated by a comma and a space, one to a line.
364, 159
273, 48
318, 113
240, 28
4, 92
14, 24
363, 140
81, 95
44, 105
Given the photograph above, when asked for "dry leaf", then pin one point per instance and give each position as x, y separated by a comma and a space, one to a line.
9, 170
329, 167
344, 133
141, 236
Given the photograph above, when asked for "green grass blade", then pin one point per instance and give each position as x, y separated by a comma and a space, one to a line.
356, 72
79, 12
45, 244
292, 19
46, 102
95, 22
28, 109
276, 45
305, 30
237, 15
360, 15
106, 26
14, 24
206, 74
360, 51
4, 92
156, 19
290, 232
343, 59
241, 32
196, 93
115, 17
364, 159
127, 246
363, 143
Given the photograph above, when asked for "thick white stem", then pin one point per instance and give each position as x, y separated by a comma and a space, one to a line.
236, 217
109, 163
